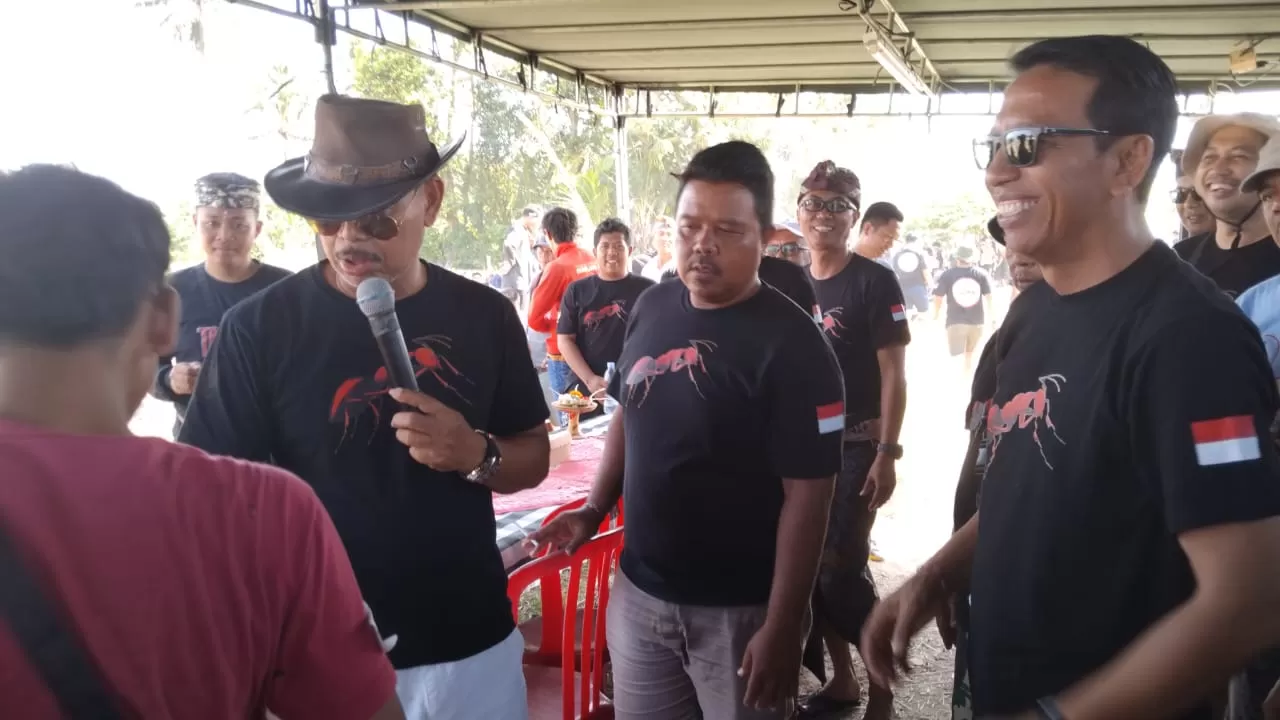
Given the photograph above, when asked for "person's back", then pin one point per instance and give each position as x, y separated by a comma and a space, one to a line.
174, 584
202, 587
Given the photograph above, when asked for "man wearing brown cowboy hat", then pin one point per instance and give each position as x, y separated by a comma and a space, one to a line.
408, 477
1221, 152
862, 314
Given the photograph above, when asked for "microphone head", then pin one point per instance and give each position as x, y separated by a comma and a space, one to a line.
375, 297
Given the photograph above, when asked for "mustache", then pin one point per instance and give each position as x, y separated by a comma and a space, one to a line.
360, 255
704, 264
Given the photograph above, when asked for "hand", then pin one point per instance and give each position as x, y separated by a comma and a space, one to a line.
1271, 706
595, 384
437, 435
182, 378
771, 666
946, 622
881, 481
568, 530
886, 636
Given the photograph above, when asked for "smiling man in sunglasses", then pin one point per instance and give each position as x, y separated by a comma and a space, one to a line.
1221, 152
1122, 562
1192, 213
295, 377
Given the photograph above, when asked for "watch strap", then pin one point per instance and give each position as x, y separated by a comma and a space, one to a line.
489, 465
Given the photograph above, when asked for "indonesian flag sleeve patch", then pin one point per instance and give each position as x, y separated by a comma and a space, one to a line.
830, 418
898, 312
1226, 440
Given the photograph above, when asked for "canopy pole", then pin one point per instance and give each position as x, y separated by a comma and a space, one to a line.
327, 36
622, 165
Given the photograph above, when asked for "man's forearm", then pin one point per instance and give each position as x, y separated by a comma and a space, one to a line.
568, 345
893, 405
937, 307
953, 562
802, 527
607, 487
526, 458
1176, 663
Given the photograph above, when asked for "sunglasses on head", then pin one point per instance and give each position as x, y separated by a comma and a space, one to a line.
1022, 145
1181, 195
835, 205
380, 225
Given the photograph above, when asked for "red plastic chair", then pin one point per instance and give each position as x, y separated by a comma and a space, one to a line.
580, 676
613, 520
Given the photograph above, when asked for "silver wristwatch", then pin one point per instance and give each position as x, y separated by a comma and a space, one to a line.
488, 467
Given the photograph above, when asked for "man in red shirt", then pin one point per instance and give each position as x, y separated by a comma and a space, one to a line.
189, 585
571, 263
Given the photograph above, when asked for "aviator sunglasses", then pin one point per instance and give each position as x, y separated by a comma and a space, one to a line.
1022, 145
380, 225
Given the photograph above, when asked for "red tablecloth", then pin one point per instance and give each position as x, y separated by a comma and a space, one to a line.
568, 482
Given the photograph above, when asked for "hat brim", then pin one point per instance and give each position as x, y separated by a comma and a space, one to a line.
995, 231
292, 189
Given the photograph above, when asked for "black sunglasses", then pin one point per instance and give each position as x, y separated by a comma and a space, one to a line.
380, 225
784, 250
1181, 195
835, 206
1022, 145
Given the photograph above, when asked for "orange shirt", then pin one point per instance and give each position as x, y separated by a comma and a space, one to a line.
571, 263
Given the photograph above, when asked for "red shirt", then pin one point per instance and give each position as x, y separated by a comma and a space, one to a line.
201, 586
571, 263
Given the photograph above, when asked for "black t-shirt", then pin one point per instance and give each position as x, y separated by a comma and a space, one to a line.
1124, 415
595, 311
296, 377
1234, 271
910, 267
977, 452
719, 406
964, 288
205, 299
861, 312
782, 275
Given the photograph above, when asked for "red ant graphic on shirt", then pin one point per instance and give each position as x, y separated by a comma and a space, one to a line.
645, 370
595, 317
1023, 410
831, 321
356, 395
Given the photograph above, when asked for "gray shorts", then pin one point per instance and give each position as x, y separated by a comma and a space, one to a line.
680, 662
962, 339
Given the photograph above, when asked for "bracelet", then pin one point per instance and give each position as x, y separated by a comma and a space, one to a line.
1049, 709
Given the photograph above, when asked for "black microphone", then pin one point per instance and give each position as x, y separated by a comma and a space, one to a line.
378, 303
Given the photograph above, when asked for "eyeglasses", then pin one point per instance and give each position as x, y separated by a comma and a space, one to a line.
1022, 145
1181, 195
783, 250
835, 206
380, 225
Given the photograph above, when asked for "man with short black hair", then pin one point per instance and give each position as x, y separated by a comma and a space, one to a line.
408, 477
728, 398
172, 582
881, 224
782, 275
1128, 423
593, 314
913, 275
227, 223
571, 263
860, 309
1221, 152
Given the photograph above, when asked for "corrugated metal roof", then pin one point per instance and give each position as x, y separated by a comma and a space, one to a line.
777, 45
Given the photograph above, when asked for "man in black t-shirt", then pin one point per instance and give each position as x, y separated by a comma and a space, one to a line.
913, 275
1221, 152
227, 223
967, 292
594, 310
863, 318
408, 477
1122, 561
728, 435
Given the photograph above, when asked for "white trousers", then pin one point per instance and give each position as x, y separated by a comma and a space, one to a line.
489, 685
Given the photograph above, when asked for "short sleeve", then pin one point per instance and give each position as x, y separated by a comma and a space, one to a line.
1200, 415
568, 322
330, 662
228, 413
518, 403
943, 285
888, 317
984, 283
806, 403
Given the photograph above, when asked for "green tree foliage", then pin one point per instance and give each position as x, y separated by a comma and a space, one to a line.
959, 221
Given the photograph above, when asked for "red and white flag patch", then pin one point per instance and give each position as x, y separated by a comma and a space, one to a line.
1226, 440
830, 418
899, 313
